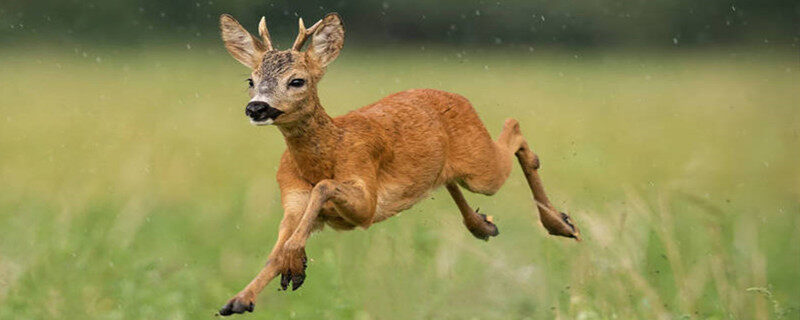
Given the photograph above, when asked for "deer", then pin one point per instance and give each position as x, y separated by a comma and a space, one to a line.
370, 164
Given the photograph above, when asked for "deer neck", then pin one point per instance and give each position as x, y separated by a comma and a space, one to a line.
312, 142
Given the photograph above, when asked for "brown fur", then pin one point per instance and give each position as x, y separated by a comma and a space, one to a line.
374, 162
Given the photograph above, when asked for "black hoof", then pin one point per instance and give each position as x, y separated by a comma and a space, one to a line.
296, 278
567, 220
575, 233
236, 306
483, 229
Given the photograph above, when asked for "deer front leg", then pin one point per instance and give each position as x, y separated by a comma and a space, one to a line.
294, 203
352, 201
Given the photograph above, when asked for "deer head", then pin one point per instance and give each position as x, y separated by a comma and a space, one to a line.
283, 84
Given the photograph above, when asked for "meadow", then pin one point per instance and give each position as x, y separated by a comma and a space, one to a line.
133, 187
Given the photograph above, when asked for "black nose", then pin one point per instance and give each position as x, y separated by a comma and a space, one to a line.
261, 111
255, 109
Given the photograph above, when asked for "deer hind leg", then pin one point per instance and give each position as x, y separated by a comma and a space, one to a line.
512, 141
478, 224
479, 166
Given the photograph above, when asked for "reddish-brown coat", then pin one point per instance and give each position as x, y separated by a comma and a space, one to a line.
374, 162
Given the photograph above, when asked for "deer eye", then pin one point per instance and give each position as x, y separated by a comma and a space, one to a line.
250, 82
297, 83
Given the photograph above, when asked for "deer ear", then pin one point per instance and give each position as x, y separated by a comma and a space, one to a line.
327, 41
241, 44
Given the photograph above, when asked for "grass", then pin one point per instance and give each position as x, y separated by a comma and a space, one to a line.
132, 187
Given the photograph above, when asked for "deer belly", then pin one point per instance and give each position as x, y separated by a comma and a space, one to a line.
394, 198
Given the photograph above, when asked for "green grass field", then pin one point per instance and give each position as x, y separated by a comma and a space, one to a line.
128, 188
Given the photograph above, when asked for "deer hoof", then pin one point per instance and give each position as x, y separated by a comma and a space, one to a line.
575, 234
294, 271
562, 225
483, 228
296, 280
237, 305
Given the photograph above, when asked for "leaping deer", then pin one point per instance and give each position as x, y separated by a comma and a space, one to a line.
372, 163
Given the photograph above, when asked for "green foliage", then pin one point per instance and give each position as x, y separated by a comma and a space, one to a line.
133, 187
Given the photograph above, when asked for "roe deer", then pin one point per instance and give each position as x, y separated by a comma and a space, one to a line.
368, 165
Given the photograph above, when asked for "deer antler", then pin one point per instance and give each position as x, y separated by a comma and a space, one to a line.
303, 34
262, 30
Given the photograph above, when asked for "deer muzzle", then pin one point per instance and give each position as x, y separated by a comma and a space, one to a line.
261, 113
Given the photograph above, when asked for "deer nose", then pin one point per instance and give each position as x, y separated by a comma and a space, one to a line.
255, 108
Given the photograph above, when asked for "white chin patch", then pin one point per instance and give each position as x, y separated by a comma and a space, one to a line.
262, 122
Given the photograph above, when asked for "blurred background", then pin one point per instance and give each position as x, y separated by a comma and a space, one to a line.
133, 187
381, 23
